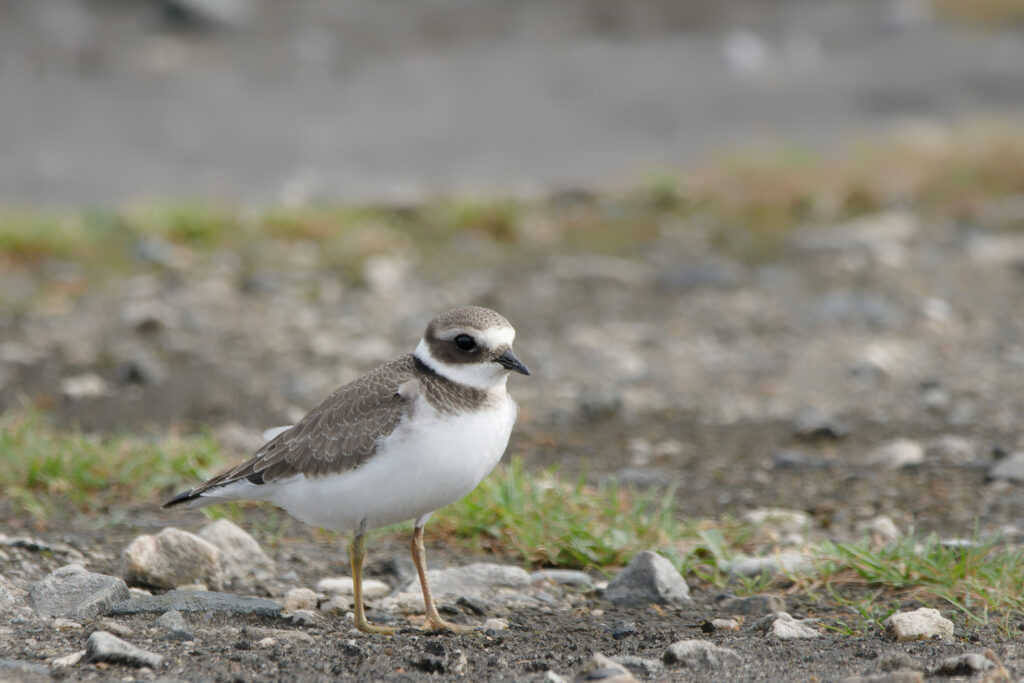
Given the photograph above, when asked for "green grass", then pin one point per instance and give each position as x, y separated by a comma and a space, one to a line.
48, 473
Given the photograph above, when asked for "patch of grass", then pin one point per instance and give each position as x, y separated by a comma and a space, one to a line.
47, 472
548, 521
978, 579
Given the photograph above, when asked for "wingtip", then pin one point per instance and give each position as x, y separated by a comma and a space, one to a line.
182, 497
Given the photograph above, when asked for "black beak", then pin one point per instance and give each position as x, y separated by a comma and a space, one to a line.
509, 361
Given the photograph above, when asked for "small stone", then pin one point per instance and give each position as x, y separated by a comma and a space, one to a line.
89, 385
477, 605
173, 558
299, 599
106, 647
266, 643
118, 629
783, 626
623, 629
1010, 468
67, 660
883, 530
779, 525
495, 624
751, 605
149, 315
601, 668
780, 563
921, 624
335, 606
644, 666
699, 653
726, 624
242, 559
61, 624
202, 587
965, 664
796, 460
890, 677
811, 424
75, 593
649, 578
172, 620
305, 617
897, 454
952, 449
563, 577
197, 601
342, 585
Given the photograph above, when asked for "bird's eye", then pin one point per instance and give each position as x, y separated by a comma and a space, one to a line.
465, 343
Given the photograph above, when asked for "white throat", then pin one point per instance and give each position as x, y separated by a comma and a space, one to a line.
486, 375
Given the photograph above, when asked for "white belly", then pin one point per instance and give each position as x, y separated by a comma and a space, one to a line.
427, 463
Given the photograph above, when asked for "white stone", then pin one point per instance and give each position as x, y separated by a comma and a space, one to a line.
921, 624
649, 578
495, 624
896, 454
299, 599
89, 385
780, 563
242, 559
698, 653
173, 558
342, 585
785, 627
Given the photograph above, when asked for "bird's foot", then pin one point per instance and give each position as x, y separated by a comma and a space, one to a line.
436, 623
367, 627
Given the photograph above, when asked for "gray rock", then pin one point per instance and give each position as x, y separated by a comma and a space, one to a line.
173, 558
699, 653
857, 309
644, 666
965, 664
299, 599
476, 579
233, 14
197, 601
242, 559
1010, 468
173, 622
11, 599
812, 424
75, 593
601, 668
952, 449
751, 605
890, 677
563, 577
896, 454
796, 460
780, 563
648, 578
921, 624
106, 647
709, 274
16, 667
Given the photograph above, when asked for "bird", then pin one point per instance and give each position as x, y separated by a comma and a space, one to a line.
400, 442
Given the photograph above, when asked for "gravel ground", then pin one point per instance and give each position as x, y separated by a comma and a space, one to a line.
866, 369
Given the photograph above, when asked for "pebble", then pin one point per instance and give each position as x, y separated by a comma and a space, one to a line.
623, 629
118, 629
266, 643
75, 593
751, 605
811, 424
172, 558
67, 660
495, 624
106, 647
779, 525
647, 667
726, 624
890, 677
648, 578
965, 664
883, 530
780, 563
89, 385
197, 601
335, 606
342, 585
952, 449
305, 617
797, 460
601, 668
242, 559
1010, 468
897, 454
783, 626
699, 653
921, 624
563, 577
299, 599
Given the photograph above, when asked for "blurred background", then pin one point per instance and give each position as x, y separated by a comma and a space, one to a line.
770, 251
107, 101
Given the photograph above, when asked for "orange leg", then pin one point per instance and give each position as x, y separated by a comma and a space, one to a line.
434, 620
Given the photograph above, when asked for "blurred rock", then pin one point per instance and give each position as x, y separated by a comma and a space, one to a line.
89, 385
797, 460
783, 626
967, 664
197, 601
106, 647
1010, 468
342, 585
233, 14
241, 557
751, 605
149, 315
173, 558
921, 624
75, 593
811, 424
780, 563
897, 454
699, 654
605, 670
952, 449
299, 599
708, 274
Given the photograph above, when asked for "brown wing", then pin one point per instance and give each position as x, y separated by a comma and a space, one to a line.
336, 436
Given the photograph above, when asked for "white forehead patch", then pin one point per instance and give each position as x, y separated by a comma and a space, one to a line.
492, 337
